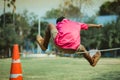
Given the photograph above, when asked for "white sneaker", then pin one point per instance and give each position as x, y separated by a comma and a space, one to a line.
92, 52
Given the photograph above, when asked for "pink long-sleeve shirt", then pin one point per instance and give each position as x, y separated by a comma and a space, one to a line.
68, 36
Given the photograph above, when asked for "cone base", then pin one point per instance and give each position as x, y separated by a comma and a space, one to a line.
18, 78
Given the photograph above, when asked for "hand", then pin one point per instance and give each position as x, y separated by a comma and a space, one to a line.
99, 26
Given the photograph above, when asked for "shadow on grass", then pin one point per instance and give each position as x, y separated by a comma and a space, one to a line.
112, 75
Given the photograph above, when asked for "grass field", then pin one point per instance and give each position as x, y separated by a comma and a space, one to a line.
61, 68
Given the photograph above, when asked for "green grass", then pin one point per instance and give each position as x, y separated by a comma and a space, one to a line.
63, 69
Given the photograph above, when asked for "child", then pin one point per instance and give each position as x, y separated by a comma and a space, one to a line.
66, 36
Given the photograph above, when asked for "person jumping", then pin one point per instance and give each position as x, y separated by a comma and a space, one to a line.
66, 37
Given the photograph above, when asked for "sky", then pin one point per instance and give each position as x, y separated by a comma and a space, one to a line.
39, 7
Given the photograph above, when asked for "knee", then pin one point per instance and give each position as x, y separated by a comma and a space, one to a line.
82, 48
51, 26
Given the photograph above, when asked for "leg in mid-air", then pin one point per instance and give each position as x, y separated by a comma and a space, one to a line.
51, 31
43, 42
91, 59
96, 57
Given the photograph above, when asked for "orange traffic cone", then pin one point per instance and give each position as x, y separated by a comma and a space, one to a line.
16, 69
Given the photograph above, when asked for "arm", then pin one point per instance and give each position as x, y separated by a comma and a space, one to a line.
94, 25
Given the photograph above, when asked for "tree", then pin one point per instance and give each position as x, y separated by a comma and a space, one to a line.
110, 8
12, 33
111, 35
7, 18
111, 30
69, 8
8, 37
34, 31
9, 3
92, 38
12, 2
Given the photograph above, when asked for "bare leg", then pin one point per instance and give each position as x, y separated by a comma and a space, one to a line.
43, 42
86, 54
92, 60
40, 41
96, 58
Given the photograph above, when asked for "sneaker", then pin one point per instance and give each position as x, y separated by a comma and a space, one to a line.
96, 58
92, 52
40, 41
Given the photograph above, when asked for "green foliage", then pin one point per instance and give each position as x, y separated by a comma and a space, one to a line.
72, 11
112, 35
104, 9
68, 9
10, 36
106, 37
30, 18
54, 13
34, 31
7, 20
111, 30
22, 26
110, 8
92, 38
13, 33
